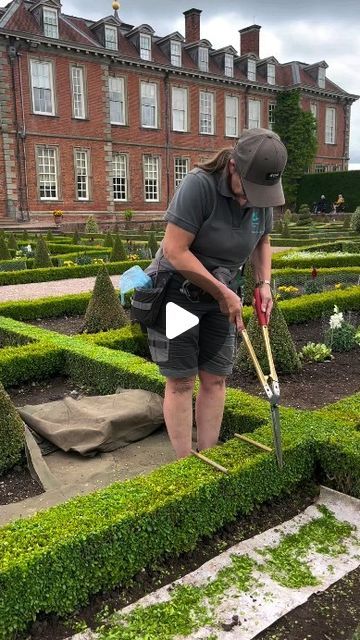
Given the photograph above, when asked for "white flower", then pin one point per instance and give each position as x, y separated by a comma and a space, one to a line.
336, 319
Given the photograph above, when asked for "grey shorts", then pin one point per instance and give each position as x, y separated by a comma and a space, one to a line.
209, 346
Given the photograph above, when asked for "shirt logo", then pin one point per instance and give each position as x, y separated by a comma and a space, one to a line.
255, 221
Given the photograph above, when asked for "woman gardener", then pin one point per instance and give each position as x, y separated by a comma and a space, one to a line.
220, 216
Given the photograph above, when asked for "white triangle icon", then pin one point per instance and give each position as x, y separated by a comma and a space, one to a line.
178, 320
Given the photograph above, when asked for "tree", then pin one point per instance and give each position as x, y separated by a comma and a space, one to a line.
304, 216
297, 130
286, 359
118, 253
108, 241
104, 310
4, 250
25, 236
12, 435
355, 221
91, 225
76, 236
42, 258
12, 242
49, 235
152, 244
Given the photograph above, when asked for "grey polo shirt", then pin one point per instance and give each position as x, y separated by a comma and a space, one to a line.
225, 233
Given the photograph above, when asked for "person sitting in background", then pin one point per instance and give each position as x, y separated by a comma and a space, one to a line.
339, 205
321, 206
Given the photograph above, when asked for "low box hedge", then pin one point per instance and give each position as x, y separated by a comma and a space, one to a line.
319, 262
61, 273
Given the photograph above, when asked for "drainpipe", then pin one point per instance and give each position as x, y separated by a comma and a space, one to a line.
13, 53
167, 137
23, 137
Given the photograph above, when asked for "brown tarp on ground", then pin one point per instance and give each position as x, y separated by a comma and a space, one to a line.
95, 423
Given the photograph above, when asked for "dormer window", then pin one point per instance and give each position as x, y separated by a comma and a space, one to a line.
111, 37
251, 74
271, 73
203, 59
145, 46
229, 65
51, 23
321, 77
175, 53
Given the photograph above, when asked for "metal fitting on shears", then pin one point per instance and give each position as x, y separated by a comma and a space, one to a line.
192, 296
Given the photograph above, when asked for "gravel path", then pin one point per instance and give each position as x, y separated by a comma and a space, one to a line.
49, 289
57, 287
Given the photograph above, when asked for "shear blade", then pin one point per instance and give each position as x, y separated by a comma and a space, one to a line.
275, 418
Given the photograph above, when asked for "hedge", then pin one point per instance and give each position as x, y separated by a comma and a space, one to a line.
61, 273
331, 184
323, 261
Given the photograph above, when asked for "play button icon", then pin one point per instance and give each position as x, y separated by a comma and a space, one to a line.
178, 320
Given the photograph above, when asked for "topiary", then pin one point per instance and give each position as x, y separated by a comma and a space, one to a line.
304, 216
91, 225
355, 221
278, 226
25, 236
4, 251
152, 244
286, 233
108, 241
104, 310
286, 359
76, 237
118, 253
12, 242
49, 235
42, 258
287, 216
12, 435
249, 283
346, 223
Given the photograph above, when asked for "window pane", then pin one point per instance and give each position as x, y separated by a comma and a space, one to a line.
151, 179
232, 115
181, 169
51, 28
148, 105
120, 186
82, 174
229, 65
175, 47
41, 81
117, 100
179, 109
271, 114
111, 39
47, 173
145, 47
77, 78
206, 112
254, 114
271, 73
251, 70
322, 77
330, 126
203, 59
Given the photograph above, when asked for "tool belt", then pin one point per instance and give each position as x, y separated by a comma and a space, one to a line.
196, 294
146, 303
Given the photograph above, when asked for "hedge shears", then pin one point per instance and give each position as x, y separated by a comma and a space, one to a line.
270, 383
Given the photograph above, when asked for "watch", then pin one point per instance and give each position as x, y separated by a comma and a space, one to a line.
261, 282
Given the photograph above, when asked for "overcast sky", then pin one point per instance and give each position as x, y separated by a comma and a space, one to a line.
309, 31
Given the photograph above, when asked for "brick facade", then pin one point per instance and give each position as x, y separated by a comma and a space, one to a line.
23, 132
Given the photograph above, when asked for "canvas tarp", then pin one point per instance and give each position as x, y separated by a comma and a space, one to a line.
95, 423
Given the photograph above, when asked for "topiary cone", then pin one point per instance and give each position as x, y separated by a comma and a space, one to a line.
285, 357
4, 251
249, 283
118, 253
12, 242
104, 310
42, 258
108, 241
11, 433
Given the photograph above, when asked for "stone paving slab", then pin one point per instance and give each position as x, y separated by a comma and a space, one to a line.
272, 600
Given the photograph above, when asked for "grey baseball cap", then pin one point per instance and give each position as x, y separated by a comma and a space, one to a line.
260, 159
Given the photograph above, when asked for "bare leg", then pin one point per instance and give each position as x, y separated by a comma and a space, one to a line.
178, 413
209, 409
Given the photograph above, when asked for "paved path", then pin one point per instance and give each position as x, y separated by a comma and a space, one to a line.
35, 290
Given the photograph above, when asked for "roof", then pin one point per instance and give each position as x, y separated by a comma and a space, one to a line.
18, 18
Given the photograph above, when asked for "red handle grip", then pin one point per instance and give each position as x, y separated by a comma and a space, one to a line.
260, 314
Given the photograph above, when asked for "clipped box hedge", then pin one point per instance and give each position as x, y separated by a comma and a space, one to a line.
317, 261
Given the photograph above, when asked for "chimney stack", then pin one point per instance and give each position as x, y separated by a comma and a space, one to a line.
192, 25
249, 40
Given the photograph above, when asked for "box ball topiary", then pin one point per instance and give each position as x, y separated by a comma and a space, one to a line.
104, 310
11, 433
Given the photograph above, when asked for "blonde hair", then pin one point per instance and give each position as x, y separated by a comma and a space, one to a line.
218, 162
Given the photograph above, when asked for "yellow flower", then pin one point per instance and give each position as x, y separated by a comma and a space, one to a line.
338, 285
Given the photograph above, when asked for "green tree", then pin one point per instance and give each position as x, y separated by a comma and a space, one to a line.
286, 359
118, 253
286, 232
104, 310
297, 130
152, 244
355, 221
91, 225
108, 241
25, 236
76, 236
4, 250
49, 235
12, 435
42, 258
12, 242
304, 216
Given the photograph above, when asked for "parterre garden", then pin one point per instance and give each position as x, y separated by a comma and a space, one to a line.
53, 562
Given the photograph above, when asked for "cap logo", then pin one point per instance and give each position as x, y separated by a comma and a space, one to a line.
273, 176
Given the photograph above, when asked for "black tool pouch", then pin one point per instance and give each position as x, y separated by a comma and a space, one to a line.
146, 303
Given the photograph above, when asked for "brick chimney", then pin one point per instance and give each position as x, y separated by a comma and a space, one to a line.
192, 25
249, 40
